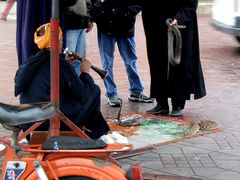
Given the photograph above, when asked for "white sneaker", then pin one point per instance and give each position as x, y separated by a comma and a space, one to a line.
114, 101
114, 137
24, 141
140, 97
118, 138
107, 139
2, 147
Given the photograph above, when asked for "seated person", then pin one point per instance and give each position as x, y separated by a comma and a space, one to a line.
79, 96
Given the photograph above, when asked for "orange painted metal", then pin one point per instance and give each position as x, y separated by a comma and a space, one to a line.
55, 74
79, 162
51, 170
12, 156
72, 126
89, 167
136, 172
29, 130
93, 163
70, 163
108, 149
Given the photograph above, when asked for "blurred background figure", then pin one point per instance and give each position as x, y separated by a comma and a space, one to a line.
6, 10
30, 15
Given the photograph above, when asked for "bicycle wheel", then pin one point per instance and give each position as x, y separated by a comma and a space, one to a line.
75, 178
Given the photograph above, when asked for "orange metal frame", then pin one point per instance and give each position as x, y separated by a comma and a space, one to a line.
94, 163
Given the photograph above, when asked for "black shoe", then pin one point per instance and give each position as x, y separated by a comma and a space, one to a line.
158, 110
176, 112
178, 103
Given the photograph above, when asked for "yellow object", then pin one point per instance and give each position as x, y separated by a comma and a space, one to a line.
42, 36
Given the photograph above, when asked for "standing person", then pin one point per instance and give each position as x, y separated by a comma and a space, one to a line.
77, 24
30, 15
187, 77
79, 95
7, 9
115, 21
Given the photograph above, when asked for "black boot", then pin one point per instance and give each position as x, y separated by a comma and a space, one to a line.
158, 109
176, 112
177, 107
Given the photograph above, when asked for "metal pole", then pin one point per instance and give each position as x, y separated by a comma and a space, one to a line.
55, 122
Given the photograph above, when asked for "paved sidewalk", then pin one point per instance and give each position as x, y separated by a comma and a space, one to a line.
212, 156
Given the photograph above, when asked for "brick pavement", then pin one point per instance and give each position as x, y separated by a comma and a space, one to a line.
212, 156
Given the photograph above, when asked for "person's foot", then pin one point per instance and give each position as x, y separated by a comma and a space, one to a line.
158, 110
176, 112
140, 97
114, 137
114, 101
3, 18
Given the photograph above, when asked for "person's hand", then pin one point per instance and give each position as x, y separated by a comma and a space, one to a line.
174, 23
89, 28
69, 58
85, 66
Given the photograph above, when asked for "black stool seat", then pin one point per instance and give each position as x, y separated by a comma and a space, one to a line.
71, 142
15, 115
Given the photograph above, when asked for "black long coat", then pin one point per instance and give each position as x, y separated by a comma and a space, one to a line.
186, 78
30, 15
79, 96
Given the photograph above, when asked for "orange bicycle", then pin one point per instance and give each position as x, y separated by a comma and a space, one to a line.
55, 154
58, 157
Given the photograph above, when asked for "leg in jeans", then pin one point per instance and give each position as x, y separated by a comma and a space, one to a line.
127, 50
76, 41
81, 43
106, 46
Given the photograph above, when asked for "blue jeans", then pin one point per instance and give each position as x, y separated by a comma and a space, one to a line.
76, 42
127, 51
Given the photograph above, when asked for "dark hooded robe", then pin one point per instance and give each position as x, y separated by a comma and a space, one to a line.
31, 14
79, 96
187, 77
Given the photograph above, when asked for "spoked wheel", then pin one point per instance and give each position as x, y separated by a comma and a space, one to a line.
75, 178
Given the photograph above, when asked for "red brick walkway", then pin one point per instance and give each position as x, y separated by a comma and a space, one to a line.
213, 156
